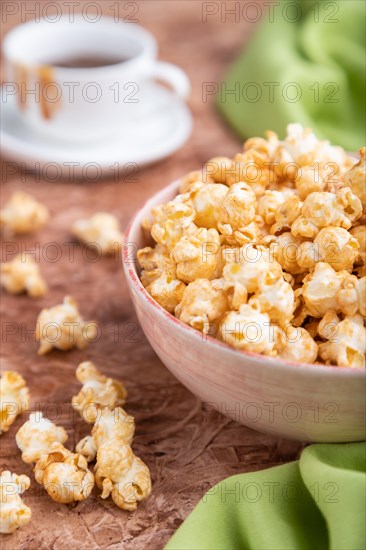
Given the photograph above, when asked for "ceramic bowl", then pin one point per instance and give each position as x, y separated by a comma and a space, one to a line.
290, 400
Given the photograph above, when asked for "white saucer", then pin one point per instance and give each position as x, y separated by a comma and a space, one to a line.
163, 128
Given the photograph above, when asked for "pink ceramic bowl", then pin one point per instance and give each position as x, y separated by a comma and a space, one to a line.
295, 401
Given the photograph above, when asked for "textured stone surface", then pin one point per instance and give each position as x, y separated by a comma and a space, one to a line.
187, 449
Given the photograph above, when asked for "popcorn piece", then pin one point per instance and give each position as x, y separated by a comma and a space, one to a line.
356, 178
22, 275
36, 437
351, 298
14, 398
97, 392
270, 201
296, 344
287, 251
252, 168
86, 448
237, 209
274, 297
347, 345
324, 209
320, 289
253, 261
101, 231
173, 220
265, 147
318, 177
62, 327
198, 255
63, 474
111, 423
122, 475
332, 245
166, 291
202, 305
13, 512
154, 262
23, 214
248, 330
207, 200
286, 215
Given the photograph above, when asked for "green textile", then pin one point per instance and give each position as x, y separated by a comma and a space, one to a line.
316, 503
305, 63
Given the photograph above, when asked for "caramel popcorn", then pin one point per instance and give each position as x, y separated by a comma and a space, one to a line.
173, 220
154, 262
202, 305
324, 209
13, 512
101, 231
237, 208
197, 256
272, 239
347, 341
332, 245
206, 200
62, 327
268, 204
22, 274
14, 398
118, 472
296, 344
167, 291
37, 435
23, 214
248, 329
98, 392
63, 474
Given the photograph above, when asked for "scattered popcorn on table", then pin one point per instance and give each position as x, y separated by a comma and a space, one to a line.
63, 474
14, 398
22, 274
98, 392
101, 231
23, 214
13, 512
272, 239
62, 327
118, 472
37, 435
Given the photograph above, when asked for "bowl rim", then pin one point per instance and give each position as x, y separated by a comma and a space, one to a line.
129, 266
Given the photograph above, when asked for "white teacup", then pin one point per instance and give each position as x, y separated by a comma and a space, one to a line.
79, 104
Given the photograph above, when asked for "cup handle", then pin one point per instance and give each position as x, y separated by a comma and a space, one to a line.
175, 77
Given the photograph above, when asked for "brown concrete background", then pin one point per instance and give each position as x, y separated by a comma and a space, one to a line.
187, 449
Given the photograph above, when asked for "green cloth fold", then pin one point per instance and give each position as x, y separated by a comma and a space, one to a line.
316, 503
305, 63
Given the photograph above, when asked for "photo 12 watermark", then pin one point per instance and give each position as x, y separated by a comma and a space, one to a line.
53, 12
